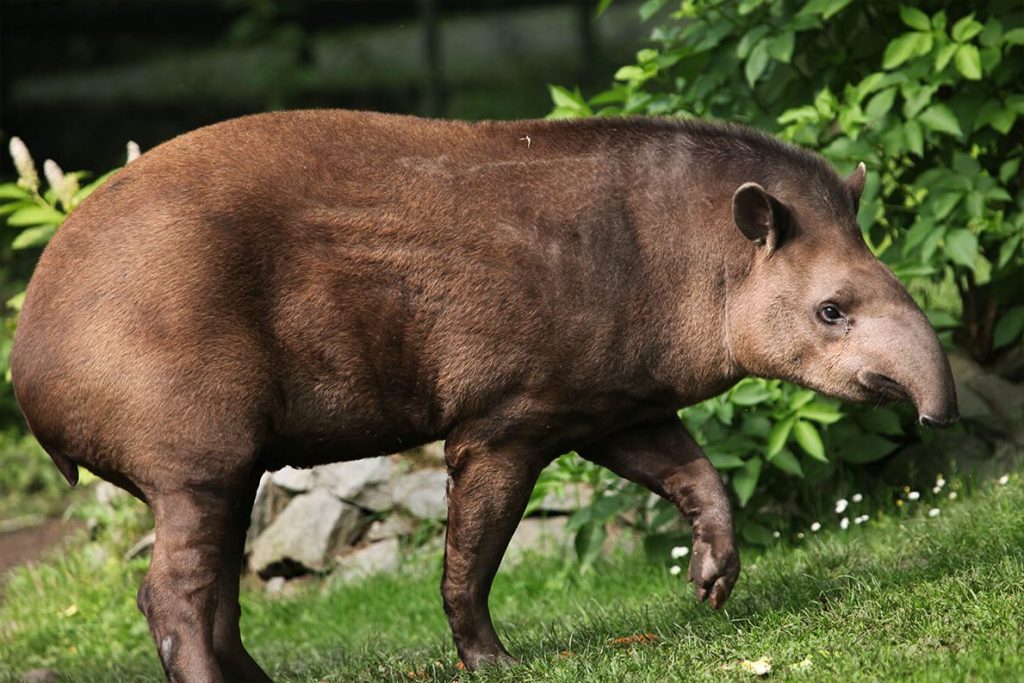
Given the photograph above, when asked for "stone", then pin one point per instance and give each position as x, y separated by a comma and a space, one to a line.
295, 480
422, 493
40, 676
375, 558
541, 535
305, 536
347, 480
270, 500
395, 525
572, 497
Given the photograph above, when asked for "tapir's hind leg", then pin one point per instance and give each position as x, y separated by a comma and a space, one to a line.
180, 592
487, 493
235, 662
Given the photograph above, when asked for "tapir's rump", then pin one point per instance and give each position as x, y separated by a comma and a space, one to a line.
305, 287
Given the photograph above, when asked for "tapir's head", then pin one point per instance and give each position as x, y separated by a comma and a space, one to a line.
817, 308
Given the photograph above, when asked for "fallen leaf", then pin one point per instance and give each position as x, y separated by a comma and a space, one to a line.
636, 639
759, 667
460, 666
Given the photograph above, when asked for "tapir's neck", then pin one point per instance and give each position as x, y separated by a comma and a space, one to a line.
694, 263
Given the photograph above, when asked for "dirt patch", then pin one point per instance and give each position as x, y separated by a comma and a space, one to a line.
31, 543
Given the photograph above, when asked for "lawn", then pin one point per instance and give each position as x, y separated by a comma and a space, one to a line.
904, 597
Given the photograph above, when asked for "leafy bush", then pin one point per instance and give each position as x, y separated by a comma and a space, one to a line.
32, 215
930, 98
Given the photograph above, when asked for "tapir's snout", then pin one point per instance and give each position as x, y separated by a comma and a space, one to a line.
911, 366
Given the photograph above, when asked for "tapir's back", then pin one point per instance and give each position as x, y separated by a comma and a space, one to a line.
335, 274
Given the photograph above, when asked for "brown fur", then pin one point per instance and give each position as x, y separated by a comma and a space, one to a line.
306, 287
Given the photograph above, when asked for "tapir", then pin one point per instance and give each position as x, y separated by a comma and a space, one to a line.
306, 287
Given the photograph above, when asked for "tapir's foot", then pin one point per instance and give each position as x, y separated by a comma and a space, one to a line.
714, 566
482, 660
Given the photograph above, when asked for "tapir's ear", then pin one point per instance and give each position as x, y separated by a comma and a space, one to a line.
759, 216
855, 183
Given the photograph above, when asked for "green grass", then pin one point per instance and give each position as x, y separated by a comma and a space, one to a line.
904, 598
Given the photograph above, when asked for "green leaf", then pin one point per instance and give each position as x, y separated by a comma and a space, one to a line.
968, 62
589, 541
13, 191
1014, 37
907, 46
1007, 250
865, 448
820, 413
724, 461
780, 433
807, 436
1009, 327
750, 39
780, 47
938, 117
35, 215
744, 481
750, 393
630, 73
650, 8
16, 302
966, 28
34, 237
756, 63
944, 55
787, 462
962, 247
881, 421
602, 5
879, 105
914, 136
824, 8
915, 18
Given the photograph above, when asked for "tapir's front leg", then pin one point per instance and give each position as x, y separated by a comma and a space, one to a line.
664, 458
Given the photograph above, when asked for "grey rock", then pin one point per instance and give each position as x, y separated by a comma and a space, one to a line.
394, 526
541, 535
141, 547
347, 480
295, 480
375, 558
422, 493
305, 535
571, 497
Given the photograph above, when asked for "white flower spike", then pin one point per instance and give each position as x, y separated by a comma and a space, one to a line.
675, 570
28, 178
844, 523
679, 552
1004, 480
856, 498
934, 512
816, 527
841, 506
133, 152
913, 495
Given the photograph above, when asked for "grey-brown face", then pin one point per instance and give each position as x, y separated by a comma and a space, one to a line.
818, 309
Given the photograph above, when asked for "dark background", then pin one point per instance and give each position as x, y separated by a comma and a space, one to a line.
79, 78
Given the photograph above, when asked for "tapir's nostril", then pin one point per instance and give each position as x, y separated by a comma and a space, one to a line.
938, 423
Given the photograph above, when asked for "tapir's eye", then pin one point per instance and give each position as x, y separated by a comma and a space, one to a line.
831, 314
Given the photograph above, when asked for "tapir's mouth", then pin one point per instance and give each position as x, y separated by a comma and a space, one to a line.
883, 386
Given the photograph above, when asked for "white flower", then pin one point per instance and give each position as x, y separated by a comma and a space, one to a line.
844, 523
952, 495
776, 534
816, 527
934, 512
841, 506
913, 495
675, 570
800, 535
133, 151
1004, 480
939, 481
64, 186
28, 178
936, 489
856, 498
680, 551
861, 519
